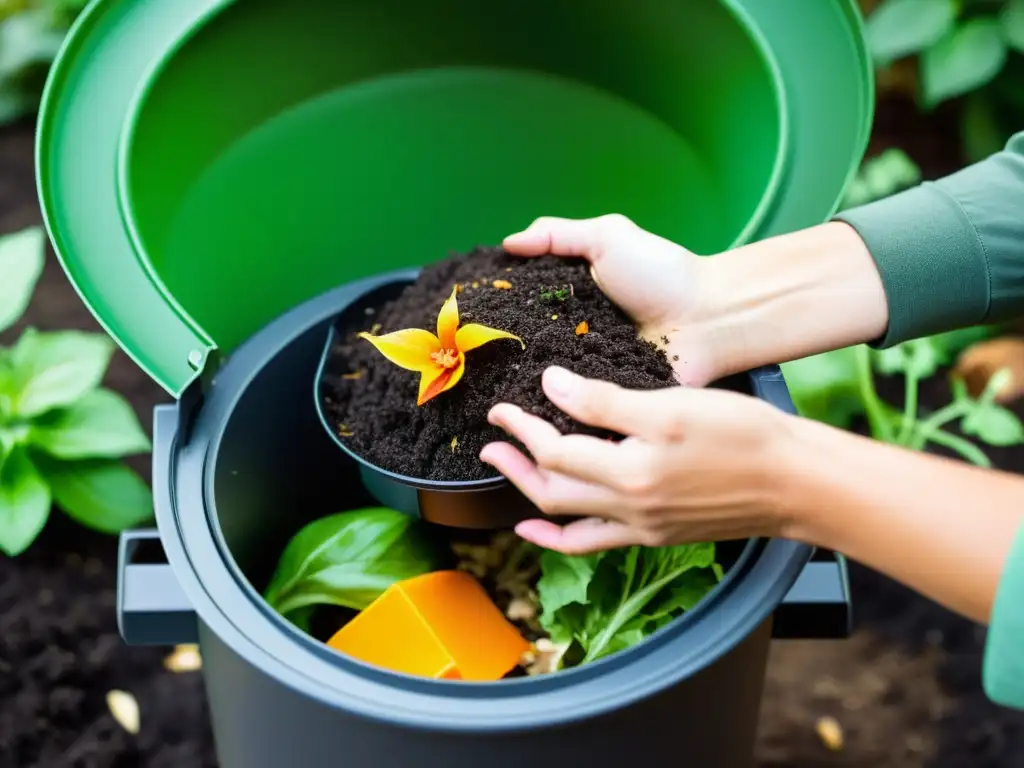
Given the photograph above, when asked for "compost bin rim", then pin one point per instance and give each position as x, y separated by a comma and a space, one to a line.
227, 604
780, 165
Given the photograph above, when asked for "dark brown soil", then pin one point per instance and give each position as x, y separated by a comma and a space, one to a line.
543, 301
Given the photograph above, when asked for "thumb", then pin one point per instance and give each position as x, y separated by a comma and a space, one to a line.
585, 238
636, 412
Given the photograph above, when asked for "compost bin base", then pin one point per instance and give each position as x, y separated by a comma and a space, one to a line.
906, 688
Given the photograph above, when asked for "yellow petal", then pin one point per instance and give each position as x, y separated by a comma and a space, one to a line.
448, 321
410, 348
432, 385
473, 335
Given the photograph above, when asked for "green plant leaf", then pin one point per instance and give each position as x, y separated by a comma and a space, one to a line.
1012, 21
101, 424
349, 559
899, 28
616, 601
565, 579
24, 503
21, 264
53, 370
980, 130
917, 357
994, 425
825, 387
964, 60
27, 38
104, 495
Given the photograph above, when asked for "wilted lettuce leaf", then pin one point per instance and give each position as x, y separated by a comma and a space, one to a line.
349, 559
607, 602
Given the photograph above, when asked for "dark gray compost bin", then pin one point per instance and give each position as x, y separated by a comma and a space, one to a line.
241, 464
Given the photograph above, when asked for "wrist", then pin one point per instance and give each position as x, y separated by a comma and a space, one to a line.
789, 297
805, 458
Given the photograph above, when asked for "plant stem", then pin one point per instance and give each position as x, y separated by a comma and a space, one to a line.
965, 448
879, 425
909, 408
926, 429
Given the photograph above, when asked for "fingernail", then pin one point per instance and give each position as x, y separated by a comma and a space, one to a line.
559, 381
495, 413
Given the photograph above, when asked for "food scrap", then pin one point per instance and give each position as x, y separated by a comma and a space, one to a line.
185, 658
125, 710
582, 328
354, 375
831, 733
502, 285
455, 443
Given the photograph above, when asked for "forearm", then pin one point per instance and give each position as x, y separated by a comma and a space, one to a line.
791, 296
938, 526
944, 255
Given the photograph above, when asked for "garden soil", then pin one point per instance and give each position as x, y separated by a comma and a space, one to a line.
905, 690
552, 304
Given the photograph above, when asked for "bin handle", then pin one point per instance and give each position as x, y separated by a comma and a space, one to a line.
817, 606
152, 608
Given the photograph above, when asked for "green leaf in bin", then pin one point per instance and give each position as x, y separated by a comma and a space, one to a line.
608, 602
349, 559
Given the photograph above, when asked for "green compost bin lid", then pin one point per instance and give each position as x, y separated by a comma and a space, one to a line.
204, 165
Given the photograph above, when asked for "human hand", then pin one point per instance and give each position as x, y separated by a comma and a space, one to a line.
653, 280
696, 465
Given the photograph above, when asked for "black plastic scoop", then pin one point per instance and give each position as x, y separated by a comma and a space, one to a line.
492, 503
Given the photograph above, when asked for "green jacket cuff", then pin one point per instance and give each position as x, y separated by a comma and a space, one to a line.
1003, 667
931, 260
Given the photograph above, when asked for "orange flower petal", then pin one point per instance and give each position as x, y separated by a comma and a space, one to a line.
473, 335
433, 385
410, 348
448, 321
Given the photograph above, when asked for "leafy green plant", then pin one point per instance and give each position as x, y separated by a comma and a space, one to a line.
839, 386
964, 48
349, 559
885, 174
596, 605
61, 434
31, 33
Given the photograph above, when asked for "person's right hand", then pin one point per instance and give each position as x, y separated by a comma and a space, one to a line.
656, 282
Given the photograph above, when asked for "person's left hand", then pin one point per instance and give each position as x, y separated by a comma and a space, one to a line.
696, 465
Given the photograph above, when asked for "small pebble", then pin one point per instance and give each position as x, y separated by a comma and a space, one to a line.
185, 658
830, 733
125, 710
520, 610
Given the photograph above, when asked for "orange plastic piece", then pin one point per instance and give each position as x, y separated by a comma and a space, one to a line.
440, 625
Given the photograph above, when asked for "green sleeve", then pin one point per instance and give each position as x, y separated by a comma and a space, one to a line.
950, 252
1003, 669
